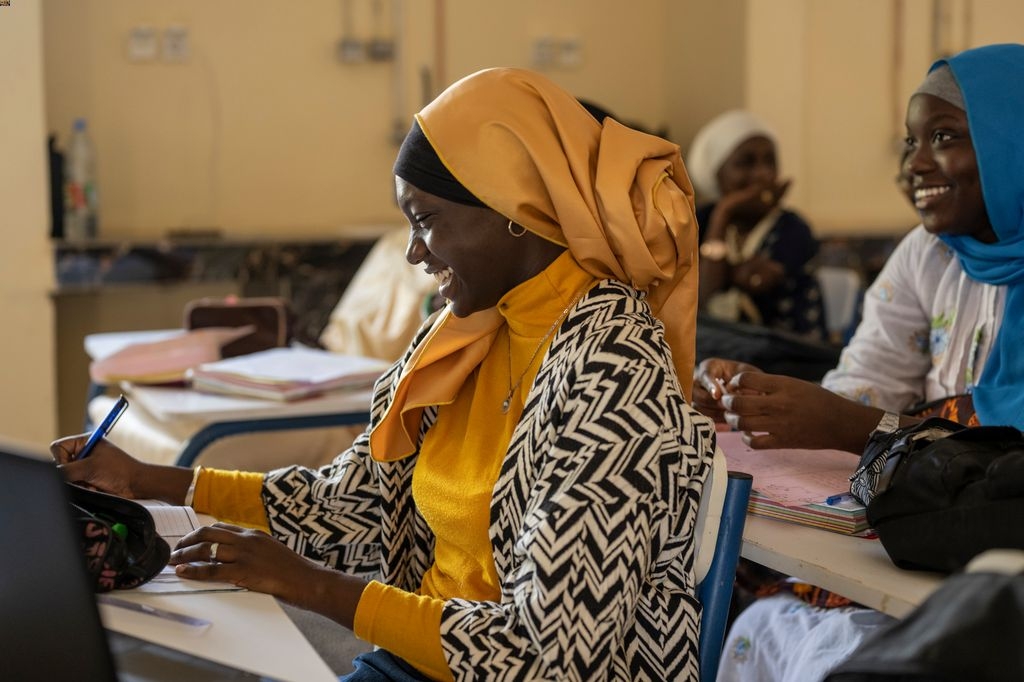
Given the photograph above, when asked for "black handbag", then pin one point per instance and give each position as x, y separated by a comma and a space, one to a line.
119, 540
885, 451
939, 493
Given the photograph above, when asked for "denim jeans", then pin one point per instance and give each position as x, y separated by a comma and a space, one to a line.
382, 666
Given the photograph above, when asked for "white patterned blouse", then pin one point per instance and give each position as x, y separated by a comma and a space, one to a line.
926, 331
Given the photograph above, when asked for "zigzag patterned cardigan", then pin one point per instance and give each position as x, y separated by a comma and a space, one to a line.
592, 519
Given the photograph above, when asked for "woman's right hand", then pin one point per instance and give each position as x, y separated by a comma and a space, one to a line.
108, 468
710, 378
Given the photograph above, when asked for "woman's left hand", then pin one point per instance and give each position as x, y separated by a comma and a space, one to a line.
254, 560
247, 558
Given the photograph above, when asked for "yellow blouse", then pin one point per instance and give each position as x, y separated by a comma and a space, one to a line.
454, 477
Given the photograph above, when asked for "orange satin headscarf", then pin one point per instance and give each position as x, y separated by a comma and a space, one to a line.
619, 199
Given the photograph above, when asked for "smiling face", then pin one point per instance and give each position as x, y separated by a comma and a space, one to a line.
468, 249
942, 171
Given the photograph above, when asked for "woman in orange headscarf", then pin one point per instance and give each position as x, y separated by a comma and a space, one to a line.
527, 489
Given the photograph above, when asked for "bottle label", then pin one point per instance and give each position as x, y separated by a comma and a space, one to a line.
75, 195
80, 219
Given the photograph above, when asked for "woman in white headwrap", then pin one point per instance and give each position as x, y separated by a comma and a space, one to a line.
755, 255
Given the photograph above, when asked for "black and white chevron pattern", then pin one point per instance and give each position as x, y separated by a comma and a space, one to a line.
592, 519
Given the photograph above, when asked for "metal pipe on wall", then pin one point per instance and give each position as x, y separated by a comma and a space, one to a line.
399, 124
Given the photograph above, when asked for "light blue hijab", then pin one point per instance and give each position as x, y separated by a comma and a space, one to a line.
991, 80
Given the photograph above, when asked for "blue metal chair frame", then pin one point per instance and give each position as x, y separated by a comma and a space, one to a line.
715, 591
213, 432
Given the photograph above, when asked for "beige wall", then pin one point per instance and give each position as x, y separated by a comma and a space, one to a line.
625, 54
835, 76
263, 131
707, 71
260, 131
27, 409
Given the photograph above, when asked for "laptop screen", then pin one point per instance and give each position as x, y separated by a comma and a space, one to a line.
50, 628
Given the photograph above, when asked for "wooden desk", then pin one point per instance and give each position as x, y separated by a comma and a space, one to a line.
856, 568
249, 631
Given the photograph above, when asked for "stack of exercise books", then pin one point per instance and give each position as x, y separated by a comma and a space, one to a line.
809, 487
286, 374
845, 515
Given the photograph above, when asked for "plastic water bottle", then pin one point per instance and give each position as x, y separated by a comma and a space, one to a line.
81, 200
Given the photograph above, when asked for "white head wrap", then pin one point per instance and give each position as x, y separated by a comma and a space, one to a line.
714, 143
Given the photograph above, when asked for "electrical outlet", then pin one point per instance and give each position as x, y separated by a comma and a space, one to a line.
543, 52
570, 53
350, 51
380, 49
176, 44
142, 44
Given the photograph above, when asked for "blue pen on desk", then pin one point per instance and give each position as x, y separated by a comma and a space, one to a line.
836, 499
104, 428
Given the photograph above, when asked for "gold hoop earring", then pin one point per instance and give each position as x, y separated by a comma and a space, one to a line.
513, 232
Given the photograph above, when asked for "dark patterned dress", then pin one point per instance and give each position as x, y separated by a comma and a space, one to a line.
795, 305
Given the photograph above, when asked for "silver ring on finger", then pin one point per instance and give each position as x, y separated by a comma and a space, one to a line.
213, 551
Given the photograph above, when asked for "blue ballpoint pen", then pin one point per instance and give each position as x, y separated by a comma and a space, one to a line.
104, 428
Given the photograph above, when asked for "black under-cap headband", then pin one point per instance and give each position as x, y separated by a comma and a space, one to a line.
419, 165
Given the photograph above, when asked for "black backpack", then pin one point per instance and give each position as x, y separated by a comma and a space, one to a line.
951, 493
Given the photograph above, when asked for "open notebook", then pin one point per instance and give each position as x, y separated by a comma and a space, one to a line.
51, 627
808, 487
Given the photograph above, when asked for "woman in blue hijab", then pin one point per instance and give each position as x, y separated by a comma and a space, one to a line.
994, 109
942, 320
942, 326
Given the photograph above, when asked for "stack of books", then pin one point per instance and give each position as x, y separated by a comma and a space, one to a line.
809, 487
843, 516
286, 374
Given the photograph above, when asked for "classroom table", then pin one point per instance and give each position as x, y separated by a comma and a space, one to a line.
248, 630
220, 416
176, 425
857, 568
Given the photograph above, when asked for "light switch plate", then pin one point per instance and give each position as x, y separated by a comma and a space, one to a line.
142, 44
176, 44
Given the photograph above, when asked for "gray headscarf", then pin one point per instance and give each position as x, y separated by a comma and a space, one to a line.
941, 83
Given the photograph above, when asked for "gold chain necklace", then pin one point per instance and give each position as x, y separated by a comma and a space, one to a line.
512, 388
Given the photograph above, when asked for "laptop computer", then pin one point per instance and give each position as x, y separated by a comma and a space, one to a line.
50, 627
